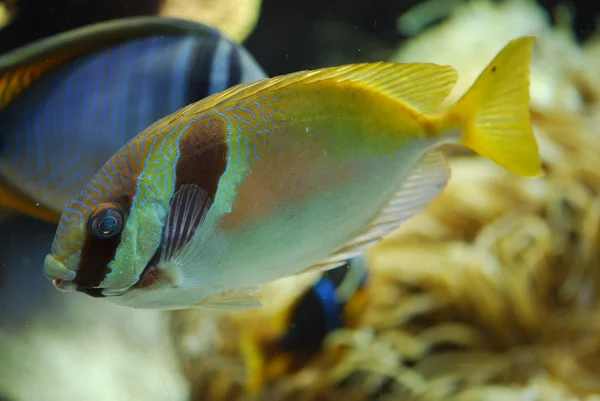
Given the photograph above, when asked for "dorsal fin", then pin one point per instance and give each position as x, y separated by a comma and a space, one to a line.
420, 86
21, 67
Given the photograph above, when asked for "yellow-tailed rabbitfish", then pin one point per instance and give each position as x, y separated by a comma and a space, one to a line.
287, 174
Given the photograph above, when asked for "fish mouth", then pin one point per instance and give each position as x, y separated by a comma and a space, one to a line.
58, 283
61, 276
64, 285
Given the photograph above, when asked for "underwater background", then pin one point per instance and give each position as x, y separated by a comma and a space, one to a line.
490, 294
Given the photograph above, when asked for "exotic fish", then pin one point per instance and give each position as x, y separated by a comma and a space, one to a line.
333, 302
69, 102
284, 175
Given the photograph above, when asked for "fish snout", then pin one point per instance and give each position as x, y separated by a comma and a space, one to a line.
57, 271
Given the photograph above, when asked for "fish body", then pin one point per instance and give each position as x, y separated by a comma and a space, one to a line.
333, 302
69, 102
284, 175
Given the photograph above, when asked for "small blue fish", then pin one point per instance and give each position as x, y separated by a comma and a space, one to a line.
332, 303
69, 102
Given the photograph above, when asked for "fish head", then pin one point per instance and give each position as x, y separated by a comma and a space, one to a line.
87, 234
104, 238
97, 251
112, 237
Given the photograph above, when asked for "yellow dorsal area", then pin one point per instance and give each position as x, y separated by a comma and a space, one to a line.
493, 117
419, 86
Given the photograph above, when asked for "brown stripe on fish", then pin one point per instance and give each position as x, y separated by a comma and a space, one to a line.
202, 162
203, 156
95, 258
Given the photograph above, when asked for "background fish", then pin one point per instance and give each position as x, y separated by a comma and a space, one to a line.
332, 303
297, 172
69, 102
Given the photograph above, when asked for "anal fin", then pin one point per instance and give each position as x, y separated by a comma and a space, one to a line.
233, 300
426, 181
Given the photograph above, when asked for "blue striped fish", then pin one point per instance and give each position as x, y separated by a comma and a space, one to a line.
69, 102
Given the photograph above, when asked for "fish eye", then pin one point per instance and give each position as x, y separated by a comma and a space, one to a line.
106, 222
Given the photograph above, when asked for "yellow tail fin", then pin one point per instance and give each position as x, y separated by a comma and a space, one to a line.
494, 113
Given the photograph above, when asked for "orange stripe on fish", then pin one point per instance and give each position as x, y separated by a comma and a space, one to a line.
13, 200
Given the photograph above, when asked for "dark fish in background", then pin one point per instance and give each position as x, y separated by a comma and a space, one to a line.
69, 102
335, 301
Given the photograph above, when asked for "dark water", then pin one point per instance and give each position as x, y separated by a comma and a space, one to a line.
23, 288
358, 30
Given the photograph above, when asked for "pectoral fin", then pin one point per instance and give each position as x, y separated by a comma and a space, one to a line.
187, 212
